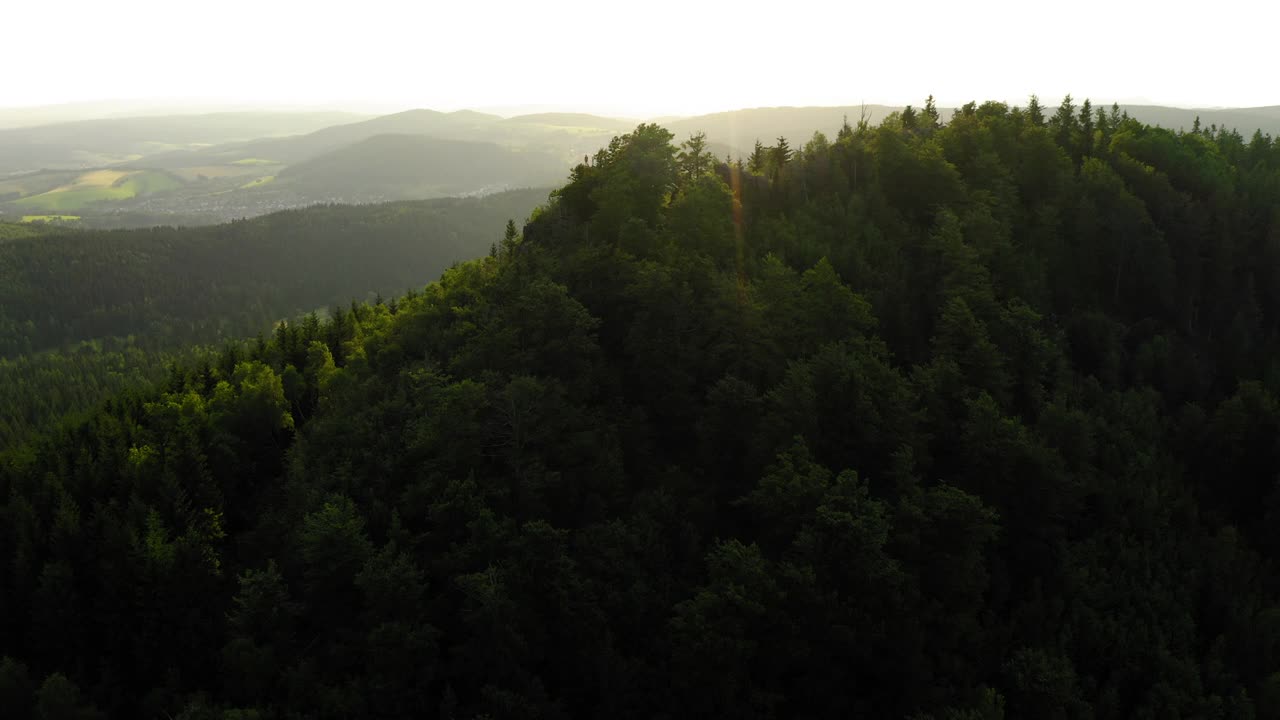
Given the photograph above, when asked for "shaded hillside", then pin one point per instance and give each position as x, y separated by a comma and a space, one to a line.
387, 167
86, 314
974, 421
463, 124
230, 280
559, 134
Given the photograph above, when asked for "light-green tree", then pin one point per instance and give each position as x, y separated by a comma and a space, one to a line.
693, 159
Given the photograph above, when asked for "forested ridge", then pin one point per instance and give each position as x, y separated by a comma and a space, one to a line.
960, 420
172, 285
84, 314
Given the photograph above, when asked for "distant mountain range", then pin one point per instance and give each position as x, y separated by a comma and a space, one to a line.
199, 168
94, 143
1243, 120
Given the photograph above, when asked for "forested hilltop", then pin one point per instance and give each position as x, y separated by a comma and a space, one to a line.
85, 314
959, 421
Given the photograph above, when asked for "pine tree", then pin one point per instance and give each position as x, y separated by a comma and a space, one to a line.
779, 156
930, 114
693, 159
1035, 113
510, 238
1085, 145
846, 131
909, 118
782, 152
1063, 124
756, 162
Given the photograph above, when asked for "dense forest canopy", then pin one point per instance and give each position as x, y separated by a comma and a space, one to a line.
962, 419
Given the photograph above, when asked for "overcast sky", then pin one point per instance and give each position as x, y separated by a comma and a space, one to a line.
640, 58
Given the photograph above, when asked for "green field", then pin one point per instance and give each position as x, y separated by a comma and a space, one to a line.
74, 199
99, 186
49, 218
258, 183
36, 183
254, 161
149, 182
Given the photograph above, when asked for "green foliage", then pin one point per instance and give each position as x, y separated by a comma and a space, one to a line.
59, 699
964, 420
87, 315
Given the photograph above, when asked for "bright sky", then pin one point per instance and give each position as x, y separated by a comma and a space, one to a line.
642, 57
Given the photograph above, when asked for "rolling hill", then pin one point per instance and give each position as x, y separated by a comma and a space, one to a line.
739, 129
386, 167
457, 125
94, 143
1243, 120
574, 121
100, 186
567, 134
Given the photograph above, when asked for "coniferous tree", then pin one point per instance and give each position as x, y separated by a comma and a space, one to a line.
929, 116
758, 158
910, 118
1034, 112
846, 131
1086, 129
693, 158
781, 153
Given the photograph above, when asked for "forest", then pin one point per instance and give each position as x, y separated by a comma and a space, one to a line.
84, 314
959, 418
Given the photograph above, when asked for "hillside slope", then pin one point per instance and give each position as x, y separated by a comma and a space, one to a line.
921, 421
86, 314
237, 277
1243, 120
289, 150
388, 167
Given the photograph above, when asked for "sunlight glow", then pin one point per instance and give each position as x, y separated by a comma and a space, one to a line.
645, 59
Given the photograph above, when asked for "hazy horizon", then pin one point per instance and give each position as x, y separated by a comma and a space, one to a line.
665, 58
144, 107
